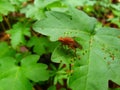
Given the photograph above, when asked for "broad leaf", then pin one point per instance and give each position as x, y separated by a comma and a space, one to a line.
79, 2
6, 7
99, 58
14, 77
64, 25
62, 55
30, 66
33, 12
99, 63
11, 77
37, 9
117, 6
17, 2
5, 50
115, 21
52, 88
18, 32
41, 45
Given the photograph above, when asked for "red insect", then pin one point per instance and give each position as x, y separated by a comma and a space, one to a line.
70, 42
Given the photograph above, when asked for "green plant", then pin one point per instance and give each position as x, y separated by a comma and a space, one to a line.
32, 57
107, 11
99, 56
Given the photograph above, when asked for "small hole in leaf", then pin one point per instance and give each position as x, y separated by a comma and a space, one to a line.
104, 57
118, 36
60, 60
65, 33
83, 53
78, 57
116, 50
108, 63
19, 64
72, 64
110, 53
112, 56
90, 42
103, 48
72, 60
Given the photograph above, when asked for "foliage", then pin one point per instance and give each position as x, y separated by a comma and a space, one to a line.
18, 31
41, 45
38, 8
109, 8
95, 44
32, 56
16, 77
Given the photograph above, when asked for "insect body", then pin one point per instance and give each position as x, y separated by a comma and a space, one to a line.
70, 42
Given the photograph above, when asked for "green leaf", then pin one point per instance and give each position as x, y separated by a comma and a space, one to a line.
116, 6
43, 3
99, 61
75, 2
18, 32
18, 2
64, 25
79, 2
99, 58
52, 88
41, 45
6, 50
30, 66
11, 77
116, 13
6, 7
33, 12
62, 55
57, 6
37, 9
115, 21
115, 89
14, 77
1, 18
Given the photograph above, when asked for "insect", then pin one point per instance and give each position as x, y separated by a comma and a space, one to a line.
70, 42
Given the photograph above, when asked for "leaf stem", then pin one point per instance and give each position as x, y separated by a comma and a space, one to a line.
7, 22
3, 26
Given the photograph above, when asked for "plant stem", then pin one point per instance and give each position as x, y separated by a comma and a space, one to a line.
7, 22
3, 26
